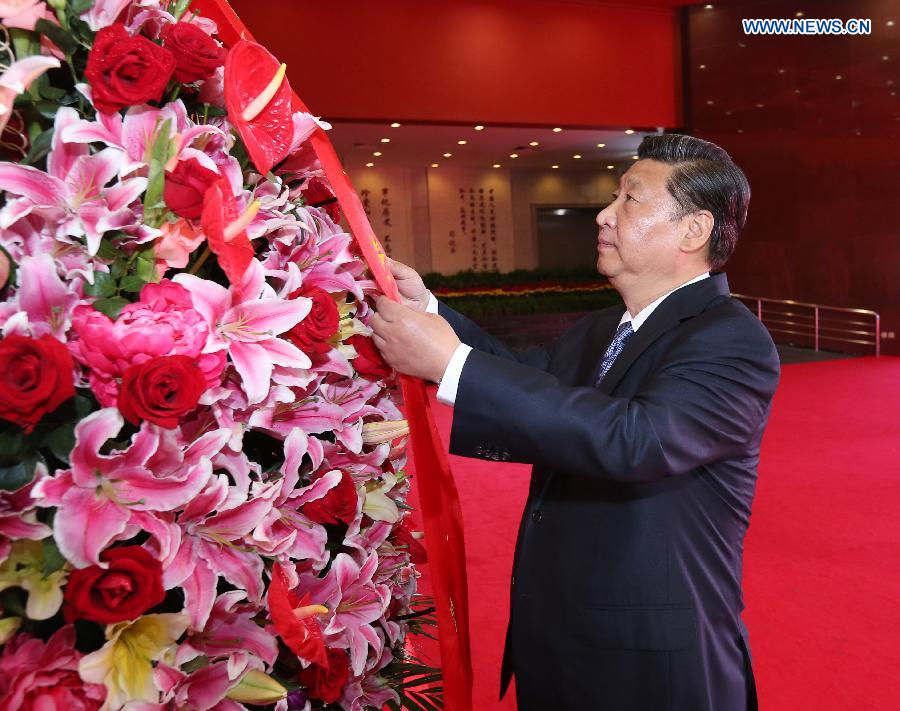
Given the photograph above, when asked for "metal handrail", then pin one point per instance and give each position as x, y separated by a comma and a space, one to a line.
817, 324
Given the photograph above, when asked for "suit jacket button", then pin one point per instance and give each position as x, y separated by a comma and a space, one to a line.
536, 516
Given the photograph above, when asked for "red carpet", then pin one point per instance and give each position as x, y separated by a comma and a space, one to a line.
822, 565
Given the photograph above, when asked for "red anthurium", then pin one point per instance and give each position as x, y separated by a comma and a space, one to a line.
296, 621
225, 229
258, 99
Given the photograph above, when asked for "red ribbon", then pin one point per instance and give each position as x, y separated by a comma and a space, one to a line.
438, 498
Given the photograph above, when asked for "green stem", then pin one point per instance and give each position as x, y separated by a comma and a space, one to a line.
195, 267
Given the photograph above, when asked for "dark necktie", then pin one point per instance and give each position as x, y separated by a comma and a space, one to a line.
623, 333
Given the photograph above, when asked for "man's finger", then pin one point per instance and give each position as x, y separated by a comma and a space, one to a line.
400, 270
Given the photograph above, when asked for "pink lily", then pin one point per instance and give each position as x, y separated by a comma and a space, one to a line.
230, 631
73, 192
354, 602
104, 12
246, 320
134, 134
285, 531
97, 495
18, 77
44, 298
17, 513
214, 530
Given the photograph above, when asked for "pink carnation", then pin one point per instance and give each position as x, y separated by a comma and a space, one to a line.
35, 675
162, 323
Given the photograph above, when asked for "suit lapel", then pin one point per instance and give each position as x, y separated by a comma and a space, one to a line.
684, 303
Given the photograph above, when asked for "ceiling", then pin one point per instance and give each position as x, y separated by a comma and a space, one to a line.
421, 146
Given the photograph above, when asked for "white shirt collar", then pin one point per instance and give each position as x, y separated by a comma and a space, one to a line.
638, 320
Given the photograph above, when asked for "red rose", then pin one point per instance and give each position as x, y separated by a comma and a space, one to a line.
312, 333
197, 55
161, 390
35, 378
327, 683
124, 70
130, 586
317, 194
186, 186
339, 504
368, 361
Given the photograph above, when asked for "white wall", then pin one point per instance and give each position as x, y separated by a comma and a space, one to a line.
425, 207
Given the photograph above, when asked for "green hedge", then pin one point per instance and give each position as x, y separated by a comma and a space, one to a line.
490, 305
469, 278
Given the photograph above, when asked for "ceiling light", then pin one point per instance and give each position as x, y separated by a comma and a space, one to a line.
610, 167
447, 155
479, 128
710, 102
555, 167
889, 23
496, 165
577, 156
370, 165
434, 165
534, 143
557, 130
513, 155
634, 157
395, 125
385, 140
799, 13
629, 131
462, 143
702, 66
377, 154
601, 145
838, 77
708, 7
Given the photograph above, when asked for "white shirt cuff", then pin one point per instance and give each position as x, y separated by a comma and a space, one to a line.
446, 393
432, 307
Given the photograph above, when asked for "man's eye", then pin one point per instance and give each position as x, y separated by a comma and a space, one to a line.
629, 197
615, 196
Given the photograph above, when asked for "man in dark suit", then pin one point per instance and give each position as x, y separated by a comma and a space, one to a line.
643, 424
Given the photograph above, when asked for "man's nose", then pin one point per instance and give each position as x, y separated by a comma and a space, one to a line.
607, 217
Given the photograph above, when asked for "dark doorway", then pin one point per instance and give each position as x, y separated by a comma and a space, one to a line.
566, 236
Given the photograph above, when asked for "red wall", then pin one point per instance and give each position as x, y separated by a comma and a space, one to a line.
822, 153
536, 62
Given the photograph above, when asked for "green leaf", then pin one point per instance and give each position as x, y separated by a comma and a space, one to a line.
112, 306
52, 93
47, 109
104, 285
53, 559
13, 445
84, 406
79, 7
180, 8
161, 150
57, 34
61, 441
146, 265
107, 249
18, 475
132, 283
40, 146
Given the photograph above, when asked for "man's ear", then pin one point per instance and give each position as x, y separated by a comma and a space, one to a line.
697, 230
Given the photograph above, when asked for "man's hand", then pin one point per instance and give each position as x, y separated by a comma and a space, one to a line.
413, 292
412, 342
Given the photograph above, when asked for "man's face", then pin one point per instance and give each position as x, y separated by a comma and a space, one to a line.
639, 239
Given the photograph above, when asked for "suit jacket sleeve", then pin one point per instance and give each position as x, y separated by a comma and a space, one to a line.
703, 404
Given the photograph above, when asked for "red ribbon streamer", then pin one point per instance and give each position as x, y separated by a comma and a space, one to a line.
439, 500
